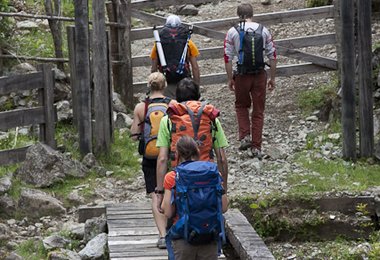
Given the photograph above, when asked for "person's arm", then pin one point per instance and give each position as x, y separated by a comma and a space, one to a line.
195, 69
222, 165
229, 53
224, 203
167, 207
138, 117
272, 80
154, 67
270, 51
231, 82
162, 167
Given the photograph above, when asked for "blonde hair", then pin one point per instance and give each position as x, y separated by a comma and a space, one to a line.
156, 81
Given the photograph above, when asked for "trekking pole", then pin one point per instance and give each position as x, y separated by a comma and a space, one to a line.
182, 62
160, 51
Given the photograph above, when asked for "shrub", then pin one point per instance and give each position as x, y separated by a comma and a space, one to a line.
316, 3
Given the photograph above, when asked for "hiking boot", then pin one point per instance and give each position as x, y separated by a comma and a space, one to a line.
161, 243
256, 153
245, 143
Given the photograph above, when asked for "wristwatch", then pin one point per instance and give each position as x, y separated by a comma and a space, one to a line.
157, 191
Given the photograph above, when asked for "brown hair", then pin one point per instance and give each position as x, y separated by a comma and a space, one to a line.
156, 81
245, 11
187, 148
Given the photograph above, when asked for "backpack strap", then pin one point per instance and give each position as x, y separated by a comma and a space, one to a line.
196, 119
147, 101
241, 38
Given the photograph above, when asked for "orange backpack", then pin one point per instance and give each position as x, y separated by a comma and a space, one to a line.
197, 120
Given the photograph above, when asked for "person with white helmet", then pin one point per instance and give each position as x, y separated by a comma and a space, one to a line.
180, 54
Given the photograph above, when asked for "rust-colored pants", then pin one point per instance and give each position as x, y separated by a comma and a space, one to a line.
250, 89
185, 251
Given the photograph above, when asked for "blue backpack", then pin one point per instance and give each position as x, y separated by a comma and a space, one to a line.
198, 199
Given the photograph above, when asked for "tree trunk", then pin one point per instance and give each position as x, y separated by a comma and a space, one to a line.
55, 28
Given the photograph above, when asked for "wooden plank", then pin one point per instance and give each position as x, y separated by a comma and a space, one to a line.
246, 244
131, 216
49, 124
132, 240
13, 156
128, 206
141, 231
129, 212
146, 253
138, 4
72, 62
348, 79
19, 83
303, 56
102, 135
82, 76
366, 123
114, 223
141, 258
21, 117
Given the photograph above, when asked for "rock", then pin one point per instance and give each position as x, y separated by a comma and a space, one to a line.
90, 161
96, 248
4, 232
27, 24
376, 122
5, 183
265, 2
7, 205
44, 166
76, 230
62, 91
14, 256
94, 227
312, 118
276, 152
123, 121
59, 75
55, 241
64, 112
117, 104
334, 136
75, 199
377, 150
64, 254
35, 204
189, 9
3, 101
22, 68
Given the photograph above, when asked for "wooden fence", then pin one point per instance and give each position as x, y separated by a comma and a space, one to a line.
42, 115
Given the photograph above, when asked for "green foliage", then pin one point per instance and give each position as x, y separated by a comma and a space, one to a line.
4, 170
337, 175
5, 23
316, 3
32, 250
313, 99
12, 142
34, 42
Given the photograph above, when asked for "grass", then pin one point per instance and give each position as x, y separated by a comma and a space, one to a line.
32, 250
336, 175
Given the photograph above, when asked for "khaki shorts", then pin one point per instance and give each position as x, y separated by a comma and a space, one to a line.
185, 251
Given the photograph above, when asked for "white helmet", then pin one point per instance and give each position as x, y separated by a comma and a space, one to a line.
173, 21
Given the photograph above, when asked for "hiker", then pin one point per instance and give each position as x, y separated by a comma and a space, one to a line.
248, 41
146, 120
176, 42
201, 206
196, 119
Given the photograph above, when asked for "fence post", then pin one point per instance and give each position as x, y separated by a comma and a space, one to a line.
99, 61
48, 103
348, 79
73, 84
110, 89
126, 77
365, 79
82, 77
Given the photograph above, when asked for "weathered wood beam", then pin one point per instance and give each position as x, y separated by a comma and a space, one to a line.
138, 4
16, 83
21, 117
13, 156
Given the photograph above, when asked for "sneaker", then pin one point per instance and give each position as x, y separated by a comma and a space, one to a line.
161, 243
245, 143
256, 153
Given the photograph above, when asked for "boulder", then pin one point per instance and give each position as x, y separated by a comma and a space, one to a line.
4, 232
14, 256
75, 198
59, 75
94, 227
5, 183
45, 166
64, 112
189, 9
96, 248
376, 122
22, 68
62, 91
55, 241
276, 152
76, 230
377, 150
64, 254
27, 24
123, 121
89, 160
7, 205
117, 104
36, 204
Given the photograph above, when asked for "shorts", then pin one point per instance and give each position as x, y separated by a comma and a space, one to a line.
149, 169
184, 251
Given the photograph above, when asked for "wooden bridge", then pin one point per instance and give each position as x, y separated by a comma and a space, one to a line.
132, 234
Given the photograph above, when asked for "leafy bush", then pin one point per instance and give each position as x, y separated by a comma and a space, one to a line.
316, 3
5, 23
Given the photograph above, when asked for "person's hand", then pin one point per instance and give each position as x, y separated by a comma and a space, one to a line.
159, 202
231, 84
271, 84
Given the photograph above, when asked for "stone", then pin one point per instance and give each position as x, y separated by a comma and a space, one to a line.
64, 111
377, 150
55, 241
27, 24
94, 227
312, 118
123, 121
75, 199
334, 136
76, 230
35, 204
117, 104
376, 122
4, 232
45, 166
265, 2
7, 205
189, 9
276, 152
14, 256
95, 249
89, 160
22, 68
59, 75
63, 254
62, 91
5, 183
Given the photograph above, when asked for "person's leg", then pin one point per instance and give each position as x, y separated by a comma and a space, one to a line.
242, 104
258, 93
183, 250
149, 169
208, 252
